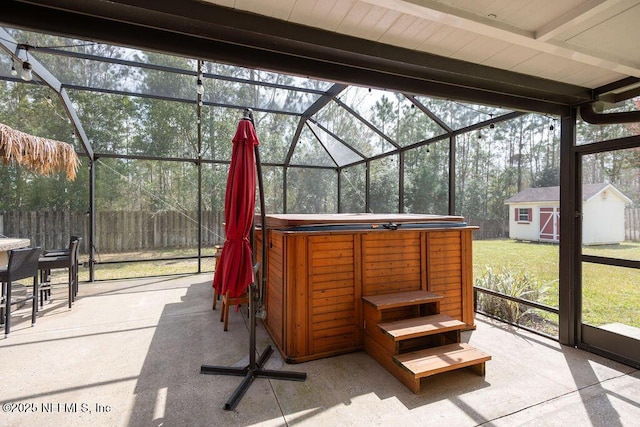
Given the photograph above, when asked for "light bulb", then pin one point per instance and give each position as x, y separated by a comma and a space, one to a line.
200, 88
25, 74
14, 72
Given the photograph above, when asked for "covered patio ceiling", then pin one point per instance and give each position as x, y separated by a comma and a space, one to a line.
535, 56
544, 56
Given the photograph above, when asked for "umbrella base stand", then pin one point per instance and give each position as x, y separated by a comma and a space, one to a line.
249, 375
254, 369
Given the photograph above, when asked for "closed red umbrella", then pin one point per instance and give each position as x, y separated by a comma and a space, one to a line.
234, 272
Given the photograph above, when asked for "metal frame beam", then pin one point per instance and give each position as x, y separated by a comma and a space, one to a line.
570, 233
13, 49
174, 70
341, 141
207, 31
327, 96
367, 123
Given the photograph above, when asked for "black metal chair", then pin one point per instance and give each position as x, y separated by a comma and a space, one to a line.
57, 252
61, 251
23, 263
52, 262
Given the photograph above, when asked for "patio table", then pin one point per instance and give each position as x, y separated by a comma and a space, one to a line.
7, 244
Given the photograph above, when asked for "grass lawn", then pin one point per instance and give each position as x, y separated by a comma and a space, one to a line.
141, 269
610, 294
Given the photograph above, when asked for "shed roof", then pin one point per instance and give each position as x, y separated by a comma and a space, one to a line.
552, 194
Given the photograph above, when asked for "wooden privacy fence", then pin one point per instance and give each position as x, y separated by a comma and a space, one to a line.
122, 231
489, 228
632, 224
116, 231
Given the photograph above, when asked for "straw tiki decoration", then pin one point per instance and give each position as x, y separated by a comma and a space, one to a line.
42, 155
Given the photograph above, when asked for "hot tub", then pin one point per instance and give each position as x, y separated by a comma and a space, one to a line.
319, 267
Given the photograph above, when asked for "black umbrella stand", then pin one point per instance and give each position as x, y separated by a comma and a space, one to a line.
255, 367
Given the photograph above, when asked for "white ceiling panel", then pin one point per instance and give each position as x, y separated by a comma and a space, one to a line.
320, 14
226, 3
583, 18
479, 49
275, 9
351, 23
410, 32
447, 41
550, 66
378, 21
582, 42
589, 76
527, 15
616, 37
510, 57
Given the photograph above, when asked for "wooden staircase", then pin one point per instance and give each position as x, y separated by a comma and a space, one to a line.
406, 334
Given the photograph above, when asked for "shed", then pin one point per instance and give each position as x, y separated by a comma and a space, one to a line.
534, 214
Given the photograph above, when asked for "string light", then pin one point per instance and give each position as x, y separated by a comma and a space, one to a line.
25, 71
26, 74
200, 88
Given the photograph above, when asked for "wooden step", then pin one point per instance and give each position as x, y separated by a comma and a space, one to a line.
401, 299
431, 361
420, 326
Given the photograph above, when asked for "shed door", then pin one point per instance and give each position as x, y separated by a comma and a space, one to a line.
550, 224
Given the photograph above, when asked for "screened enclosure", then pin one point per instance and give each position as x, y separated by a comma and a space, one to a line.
153, 132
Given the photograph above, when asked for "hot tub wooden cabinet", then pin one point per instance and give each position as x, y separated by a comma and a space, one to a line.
320, 266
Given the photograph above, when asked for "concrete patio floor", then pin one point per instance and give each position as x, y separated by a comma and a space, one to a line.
129, 354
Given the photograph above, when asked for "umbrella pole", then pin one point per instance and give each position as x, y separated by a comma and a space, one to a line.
255, 367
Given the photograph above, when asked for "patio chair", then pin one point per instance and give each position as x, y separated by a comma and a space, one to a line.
23, 263
68, 261
228, 301
59, 251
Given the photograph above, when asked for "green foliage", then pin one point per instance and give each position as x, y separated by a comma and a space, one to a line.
312, 191
353, 189
427, 179
494, 164
609, 294
384, 185
517, 284
508, 158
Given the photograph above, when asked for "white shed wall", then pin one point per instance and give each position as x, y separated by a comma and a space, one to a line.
603, 220
524, 231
